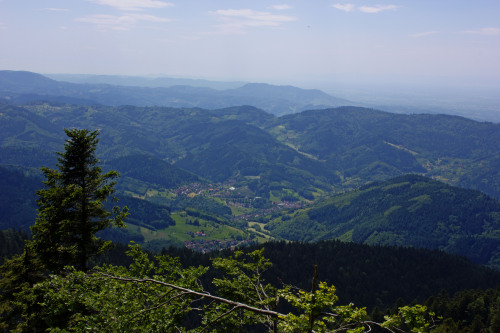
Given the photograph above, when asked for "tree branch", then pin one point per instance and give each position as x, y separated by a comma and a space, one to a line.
197, 293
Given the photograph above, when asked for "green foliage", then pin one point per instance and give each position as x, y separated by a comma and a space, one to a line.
71, 206
410, 317
243, 282
158, 295
119, 299
18, 299
318, 312
11, 243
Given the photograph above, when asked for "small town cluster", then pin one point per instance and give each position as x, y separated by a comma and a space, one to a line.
206, 246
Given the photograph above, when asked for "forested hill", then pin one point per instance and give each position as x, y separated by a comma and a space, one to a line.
408, 211
301, 154
367, 144
372, 275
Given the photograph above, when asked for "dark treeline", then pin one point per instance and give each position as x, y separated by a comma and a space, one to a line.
375, 276
368, 275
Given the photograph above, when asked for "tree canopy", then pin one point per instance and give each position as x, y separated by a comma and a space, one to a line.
71, 206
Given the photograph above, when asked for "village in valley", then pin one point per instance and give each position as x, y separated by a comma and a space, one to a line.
242, 201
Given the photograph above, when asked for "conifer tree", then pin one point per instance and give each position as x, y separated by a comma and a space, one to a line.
71, 206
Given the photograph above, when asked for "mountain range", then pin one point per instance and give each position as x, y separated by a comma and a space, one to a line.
21, 87
349, 173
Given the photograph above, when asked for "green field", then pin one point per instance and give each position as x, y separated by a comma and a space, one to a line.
182, 231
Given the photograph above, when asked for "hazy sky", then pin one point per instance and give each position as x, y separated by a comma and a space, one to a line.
259, 40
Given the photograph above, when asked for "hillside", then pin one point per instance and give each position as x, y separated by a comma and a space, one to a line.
407, 211
356, 144
163, 220
214, 148
370, 145
17, 198
344, 147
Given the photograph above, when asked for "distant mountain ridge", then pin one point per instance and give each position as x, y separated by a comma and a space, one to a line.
140, 81
21, 87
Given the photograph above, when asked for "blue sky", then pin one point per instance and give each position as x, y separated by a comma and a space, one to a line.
259, 40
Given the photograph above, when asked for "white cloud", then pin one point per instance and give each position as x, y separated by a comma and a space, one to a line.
235, 20
133, 5
376, 9
281, 7
484, 31
122, 22
424, 34
349, 7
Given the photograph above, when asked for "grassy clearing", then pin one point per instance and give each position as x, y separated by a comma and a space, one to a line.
185, 232
258, 228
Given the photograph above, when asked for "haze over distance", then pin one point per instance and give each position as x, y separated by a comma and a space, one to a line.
393, 52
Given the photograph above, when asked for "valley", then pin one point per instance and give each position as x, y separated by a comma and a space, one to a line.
238, 167
374, 198
240, 173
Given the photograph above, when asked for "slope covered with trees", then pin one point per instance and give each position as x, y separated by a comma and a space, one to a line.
341, 148
408, 210
365, 144
247, 163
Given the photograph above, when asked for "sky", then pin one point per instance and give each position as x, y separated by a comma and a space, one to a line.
284, 42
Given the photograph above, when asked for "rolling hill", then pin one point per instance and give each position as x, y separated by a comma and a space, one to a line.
371, 145
408, 210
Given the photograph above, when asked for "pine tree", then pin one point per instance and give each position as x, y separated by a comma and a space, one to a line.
71, 206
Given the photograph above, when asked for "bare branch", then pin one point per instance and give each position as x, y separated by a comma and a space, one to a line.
197, 293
